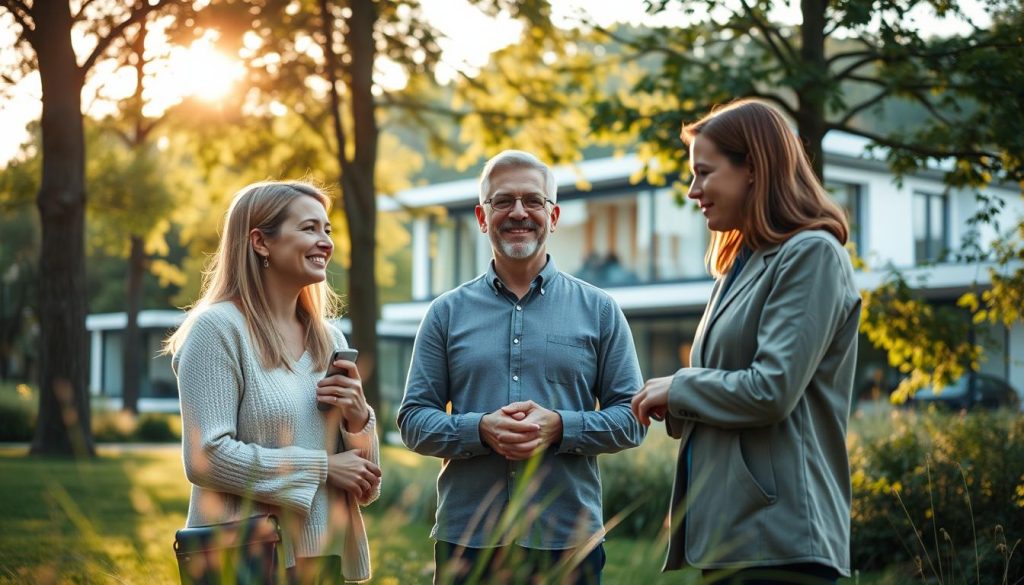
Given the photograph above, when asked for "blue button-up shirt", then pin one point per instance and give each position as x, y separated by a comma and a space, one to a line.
566, 346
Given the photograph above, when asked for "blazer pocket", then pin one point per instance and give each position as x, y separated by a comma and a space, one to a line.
567, 358
742, 474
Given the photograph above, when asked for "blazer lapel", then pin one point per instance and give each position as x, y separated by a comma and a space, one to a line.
697, 351
750, 273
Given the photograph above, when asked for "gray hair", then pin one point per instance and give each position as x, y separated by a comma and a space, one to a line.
517, 159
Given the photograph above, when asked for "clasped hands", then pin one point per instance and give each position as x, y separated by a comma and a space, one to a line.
520, 429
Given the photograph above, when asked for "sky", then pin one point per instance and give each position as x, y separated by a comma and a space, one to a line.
470, 37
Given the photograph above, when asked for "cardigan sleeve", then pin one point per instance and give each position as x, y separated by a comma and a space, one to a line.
367, 440
211, 381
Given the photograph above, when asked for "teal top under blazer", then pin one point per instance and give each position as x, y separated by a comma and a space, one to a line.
765, 405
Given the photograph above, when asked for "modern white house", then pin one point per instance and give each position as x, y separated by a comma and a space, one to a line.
647, 250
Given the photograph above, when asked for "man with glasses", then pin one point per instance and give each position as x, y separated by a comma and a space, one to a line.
519, 379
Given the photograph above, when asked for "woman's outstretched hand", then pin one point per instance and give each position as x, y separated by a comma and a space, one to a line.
652, 400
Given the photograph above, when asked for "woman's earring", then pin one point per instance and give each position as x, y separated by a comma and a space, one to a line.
266, 261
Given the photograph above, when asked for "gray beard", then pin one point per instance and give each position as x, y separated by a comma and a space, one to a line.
520, 250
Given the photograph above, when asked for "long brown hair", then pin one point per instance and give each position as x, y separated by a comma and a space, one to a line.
785, 198
235, 274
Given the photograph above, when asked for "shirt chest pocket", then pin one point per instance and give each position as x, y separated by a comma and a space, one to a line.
569, 359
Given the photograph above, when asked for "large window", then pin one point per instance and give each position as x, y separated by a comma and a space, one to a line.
663, 343
619, 239
630, 238
156, 379
931, 223
848, 196
453, 251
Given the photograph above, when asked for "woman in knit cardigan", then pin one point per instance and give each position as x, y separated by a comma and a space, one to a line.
250, 360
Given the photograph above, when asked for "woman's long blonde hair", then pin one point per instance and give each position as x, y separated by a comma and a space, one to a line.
236, 274
786, 196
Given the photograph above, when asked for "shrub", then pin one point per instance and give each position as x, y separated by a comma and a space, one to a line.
158, 428
118, 426
924, 491
112, 426
408, 484
637, 484
18, 405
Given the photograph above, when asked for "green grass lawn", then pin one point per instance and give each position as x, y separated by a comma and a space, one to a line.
112, 520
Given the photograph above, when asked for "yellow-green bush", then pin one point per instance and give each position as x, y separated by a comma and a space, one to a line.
18, 404
118, 426
943, 492
637, 484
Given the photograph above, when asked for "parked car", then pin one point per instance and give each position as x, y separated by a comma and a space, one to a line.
971, 391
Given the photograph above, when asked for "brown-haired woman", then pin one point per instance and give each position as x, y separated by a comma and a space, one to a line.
250, 360
762, 488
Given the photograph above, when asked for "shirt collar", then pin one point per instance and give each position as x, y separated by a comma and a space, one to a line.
545, 276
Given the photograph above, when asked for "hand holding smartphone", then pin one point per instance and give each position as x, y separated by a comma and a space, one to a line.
341, 354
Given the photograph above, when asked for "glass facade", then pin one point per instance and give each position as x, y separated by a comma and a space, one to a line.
931, 220
620, 238
453, 250
156, 376
848, 196
663, 342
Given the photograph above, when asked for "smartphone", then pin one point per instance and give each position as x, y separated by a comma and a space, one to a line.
341, 354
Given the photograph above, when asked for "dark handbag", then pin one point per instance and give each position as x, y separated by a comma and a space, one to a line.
244, 551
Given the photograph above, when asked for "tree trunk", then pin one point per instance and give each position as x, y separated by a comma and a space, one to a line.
360, 193
63, 424
132, 350
358, 185
132, 354
810, 119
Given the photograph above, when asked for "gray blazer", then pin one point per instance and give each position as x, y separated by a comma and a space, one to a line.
765, 406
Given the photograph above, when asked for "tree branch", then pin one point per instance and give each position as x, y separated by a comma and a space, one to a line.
777, 100
16, 5
81, 11
868, 58
915, 148
931, 108
766, 31
331, 61
414, 105
315, 127
642, 50
852, 112
104, 42
21, 14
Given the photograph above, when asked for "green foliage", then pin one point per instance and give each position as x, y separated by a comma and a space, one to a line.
19, 258
109, 426
637, 483
18, 404
929, 343
944, 493
159, 428
409, 484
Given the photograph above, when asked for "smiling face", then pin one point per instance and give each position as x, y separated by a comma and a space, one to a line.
302, 247
719, 185
517, 234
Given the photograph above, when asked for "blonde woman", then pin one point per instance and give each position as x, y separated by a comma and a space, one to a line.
762, 489
250, 360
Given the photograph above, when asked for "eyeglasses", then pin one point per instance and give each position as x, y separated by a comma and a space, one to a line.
507, 202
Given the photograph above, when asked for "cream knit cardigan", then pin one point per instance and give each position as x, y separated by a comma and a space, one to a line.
253, 442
